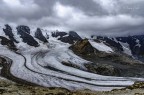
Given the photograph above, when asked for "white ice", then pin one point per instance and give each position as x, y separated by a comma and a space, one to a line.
101, 46
34, 70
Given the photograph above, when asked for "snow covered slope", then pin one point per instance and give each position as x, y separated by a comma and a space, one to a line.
131, 45
43, 64
101, 46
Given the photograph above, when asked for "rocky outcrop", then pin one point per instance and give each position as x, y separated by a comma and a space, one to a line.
83, 47
74, 35
121, 66
24, 33
111, 42
135, 44
57, 33
8, 43
23, 29
8, 32
103, 69
70, 37
40, 36
110, 64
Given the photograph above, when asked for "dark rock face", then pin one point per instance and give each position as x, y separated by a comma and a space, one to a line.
40, 36
2, 61
61, 34
74, 35
8, 32
23, 29
7, 42
111, 42
24, 33
82, 47
110, 64
136, 43
70, 37
103, 69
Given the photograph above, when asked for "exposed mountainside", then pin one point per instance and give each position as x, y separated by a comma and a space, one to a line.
24, 33
70, 37
64, 59
40, 36
131, 45
8, 32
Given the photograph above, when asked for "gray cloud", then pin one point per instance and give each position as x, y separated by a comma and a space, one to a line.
101, 17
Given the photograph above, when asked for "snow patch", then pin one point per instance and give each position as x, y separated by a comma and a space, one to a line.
138, 43
126, 48
101, 46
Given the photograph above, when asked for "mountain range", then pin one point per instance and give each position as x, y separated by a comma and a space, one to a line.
68, 60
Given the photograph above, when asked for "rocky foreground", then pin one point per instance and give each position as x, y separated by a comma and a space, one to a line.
11, 88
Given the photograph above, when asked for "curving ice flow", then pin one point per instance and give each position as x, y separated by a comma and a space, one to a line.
43, 66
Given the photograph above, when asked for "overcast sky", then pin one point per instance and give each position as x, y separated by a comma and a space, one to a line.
104, 17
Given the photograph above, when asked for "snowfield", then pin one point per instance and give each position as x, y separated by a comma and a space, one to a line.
101, 46
43, 66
